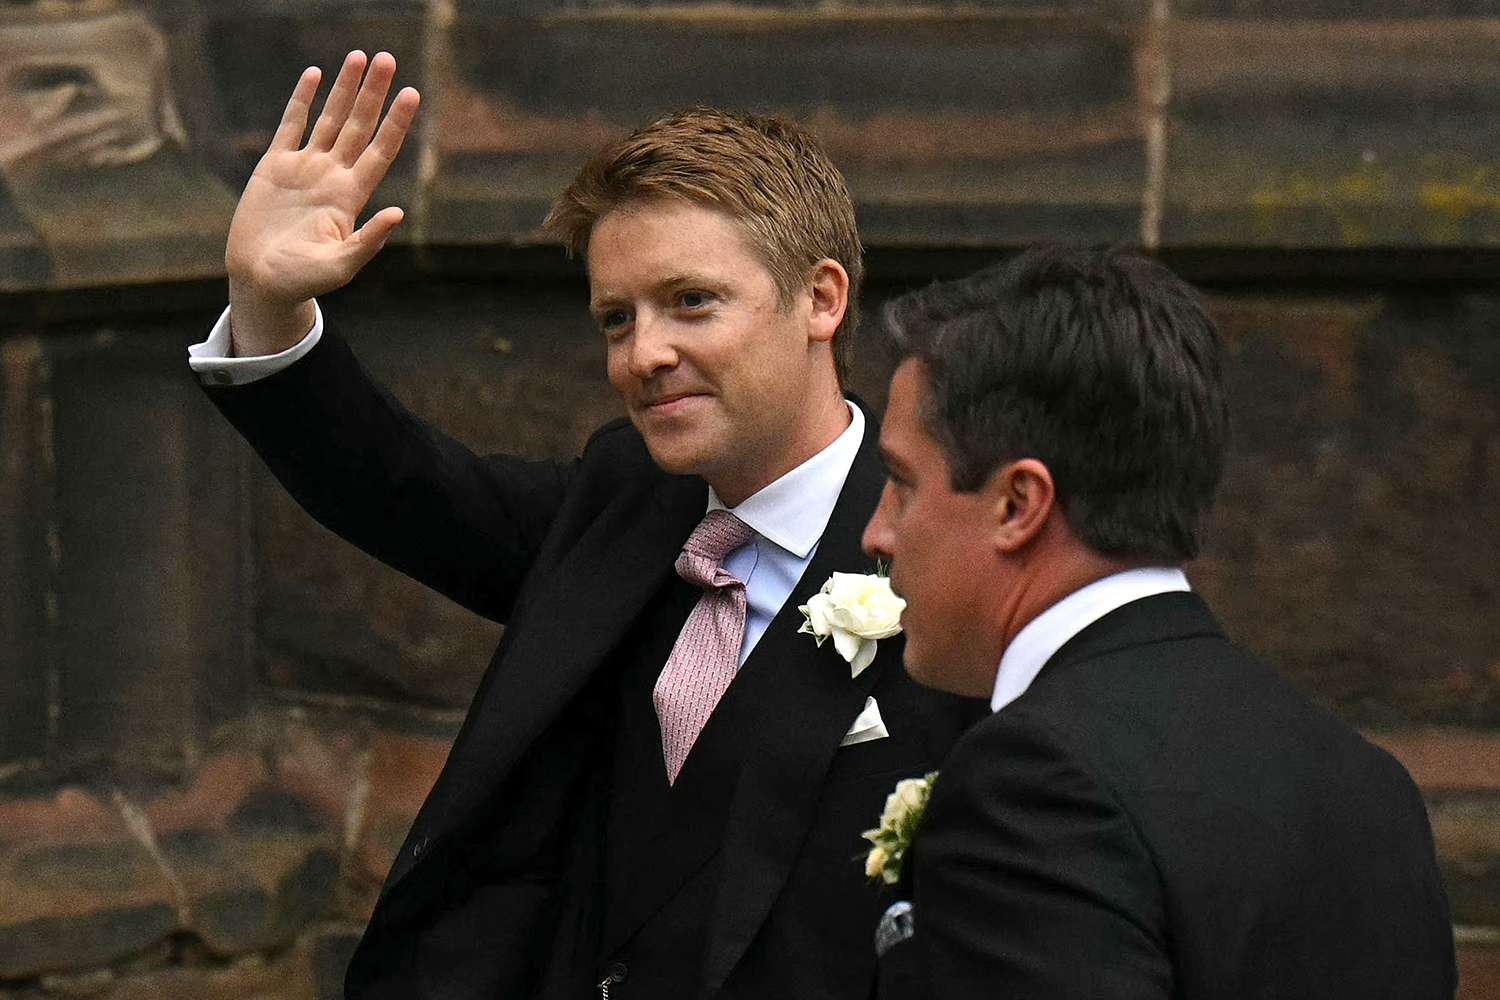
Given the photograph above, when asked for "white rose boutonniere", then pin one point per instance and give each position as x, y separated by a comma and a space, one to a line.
856, 609
891, 840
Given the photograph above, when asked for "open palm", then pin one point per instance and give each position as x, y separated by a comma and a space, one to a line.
293, 235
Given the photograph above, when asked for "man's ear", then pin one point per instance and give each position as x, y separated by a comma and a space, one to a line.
1022, 496
829, 288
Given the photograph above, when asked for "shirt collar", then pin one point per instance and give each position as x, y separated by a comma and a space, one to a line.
1045, 634
794, 510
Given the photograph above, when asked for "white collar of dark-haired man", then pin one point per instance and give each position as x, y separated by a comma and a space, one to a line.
1150, 812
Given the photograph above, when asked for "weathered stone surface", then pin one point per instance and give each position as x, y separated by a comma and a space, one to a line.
401, 770
1479, 969
1466, 829
286, 975
256, 839
1377, 133
77, 888
23, 260
95, 155
1446, 760
1298, 10
26, 566
150, 588
972, 127
1358, 526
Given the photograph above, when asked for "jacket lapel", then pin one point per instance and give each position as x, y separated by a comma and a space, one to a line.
577, 616
804, 701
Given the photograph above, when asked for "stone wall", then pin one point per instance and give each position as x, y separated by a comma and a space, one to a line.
218, 720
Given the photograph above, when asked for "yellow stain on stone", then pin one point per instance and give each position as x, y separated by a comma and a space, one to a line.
1449, 203
1352, 200
1439, 199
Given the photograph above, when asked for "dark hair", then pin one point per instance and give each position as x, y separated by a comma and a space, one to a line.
1101, 364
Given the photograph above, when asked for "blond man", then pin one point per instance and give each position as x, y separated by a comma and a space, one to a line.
658, 791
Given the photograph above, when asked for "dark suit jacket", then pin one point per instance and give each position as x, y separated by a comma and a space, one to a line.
749, 864
1160, 815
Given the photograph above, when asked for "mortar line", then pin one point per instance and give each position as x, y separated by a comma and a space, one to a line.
139, 826
1156, 65
435, 63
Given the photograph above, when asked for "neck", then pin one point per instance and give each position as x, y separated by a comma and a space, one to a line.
821, 425
1055, 577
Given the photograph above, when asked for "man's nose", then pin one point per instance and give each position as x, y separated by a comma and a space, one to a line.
651, 347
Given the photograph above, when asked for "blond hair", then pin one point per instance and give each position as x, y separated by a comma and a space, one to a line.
767, 172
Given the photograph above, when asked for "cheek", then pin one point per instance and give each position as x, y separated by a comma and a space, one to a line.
617, 370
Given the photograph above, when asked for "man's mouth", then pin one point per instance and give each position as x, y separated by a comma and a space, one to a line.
670, 402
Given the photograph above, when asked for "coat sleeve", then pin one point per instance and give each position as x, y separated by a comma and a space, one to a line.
369, 470
1031, 882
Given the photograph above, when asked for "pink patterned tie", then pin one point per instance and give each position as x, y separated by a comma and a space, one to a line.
707, 653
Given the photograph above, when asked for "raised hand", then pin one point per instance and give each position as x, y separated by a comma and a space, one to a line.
293, 234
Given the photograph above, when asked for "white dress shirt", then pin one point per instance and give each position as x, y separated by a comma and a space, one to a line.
211, 362
1049, 631
788, 516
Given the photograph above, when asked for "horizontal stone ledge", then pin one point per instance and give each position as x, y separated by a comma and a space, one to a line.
1445, 759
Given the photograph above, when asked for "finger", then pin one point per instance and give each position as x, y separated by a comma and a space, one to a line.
361, 124
379, 154
368, 239
340, 100
294, 118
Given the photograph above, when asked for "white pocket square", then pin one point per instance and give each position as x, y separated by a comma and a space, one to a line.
868, 726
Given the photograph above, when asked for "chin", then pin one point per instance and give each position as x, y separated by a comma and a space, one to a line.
918, 669
675, 456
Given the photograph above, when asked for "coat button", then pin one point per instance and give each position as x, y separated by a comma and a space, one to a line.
615, 972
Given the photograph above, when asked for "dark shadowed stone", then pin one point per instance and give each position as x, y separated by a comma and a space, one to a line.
331, 960
239, 917
23, 259
27, 498
1358, 526
79, 942
1474, 890
151, 647
272, 811
103, 869
987, 126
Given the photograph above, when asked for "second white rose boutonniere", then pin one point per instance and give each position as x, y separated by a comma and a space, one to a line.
891, 840
857, 610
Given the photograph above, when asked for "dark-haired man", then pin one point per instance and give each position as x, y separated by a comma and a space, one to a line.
1150, 812
660, 783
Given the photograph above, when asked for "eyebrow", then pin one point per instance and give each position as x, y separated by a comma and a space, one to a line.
892, 462
675, 280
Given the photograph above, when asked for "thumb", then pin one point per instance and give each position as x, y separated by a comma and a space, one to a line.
368, 239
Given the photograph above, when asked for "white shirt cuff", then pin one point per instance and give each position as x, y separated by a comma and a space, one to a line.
211, 362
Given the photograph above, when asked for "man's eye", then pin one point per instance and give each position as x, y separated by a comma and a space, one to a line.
613, 320
693, 300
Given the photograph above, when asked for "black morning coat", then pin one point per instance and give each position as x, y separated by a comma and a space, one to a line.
551, 854
1162, 817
